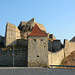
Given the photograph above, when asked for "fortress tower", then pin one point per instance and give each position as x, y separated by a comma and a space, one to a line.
37, 48
21, 32
12, 34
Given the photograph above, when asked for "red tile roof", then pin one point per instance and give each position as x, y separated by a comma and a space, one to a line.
37, 32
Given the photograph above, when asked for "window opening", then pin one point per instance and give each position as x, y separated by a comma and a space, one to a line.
41, 39
34, 39
38, 56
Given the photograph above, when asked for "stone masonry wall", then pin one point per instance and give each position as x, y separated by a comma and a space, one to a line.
22, 42
12, 33
55, 58
37, 51
69, 47
20, 58
24, 35
55, 45
1, 40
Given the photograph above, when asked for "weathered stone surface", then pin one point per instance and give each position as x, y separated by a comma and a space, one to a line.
2, 40
55, 58
73, 39
12, 33
52, 36
38, 47
37, 51
20, 58
22, 42
27, 27
32, 20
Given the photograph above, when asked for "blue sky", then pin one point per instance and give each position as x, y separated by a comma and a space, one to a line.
58, 16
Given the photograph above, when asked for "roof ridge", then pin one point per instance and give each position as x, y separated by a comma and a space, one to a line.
37, 32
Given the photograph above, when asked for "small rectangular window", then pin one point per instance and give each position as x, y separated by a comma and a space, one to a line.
3, 54
38, 56
34, 39
41, 39
44, 46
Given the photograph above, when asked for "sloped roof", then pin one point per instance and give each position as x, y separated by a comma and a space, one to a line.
73, 39
37, 32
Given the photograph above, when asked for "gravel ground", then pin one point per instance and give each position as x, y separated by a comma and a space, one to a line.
35, 71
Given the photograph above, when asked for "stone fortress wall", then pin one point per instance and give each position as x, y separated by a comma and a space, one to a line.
69, 47
2, 39
12, 34
22, 42
20, 57
55, 58
21, 32
54, 46
38, 51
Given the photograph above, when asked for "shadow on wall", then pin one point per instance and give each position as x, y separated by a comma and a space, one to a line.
19, 42
55, 46
55, 58
20, 58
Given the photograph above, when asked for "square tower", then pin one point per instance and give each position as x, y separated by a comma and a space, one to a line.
37, 48
12, 34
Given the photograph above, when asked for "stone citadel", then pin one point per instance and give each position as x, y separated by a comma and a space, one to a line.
33, 46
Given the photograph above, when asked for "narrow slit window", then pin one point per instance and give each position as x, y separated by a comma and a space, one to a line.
38, 56
3, 53
34, 39
41, 39
15, 54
